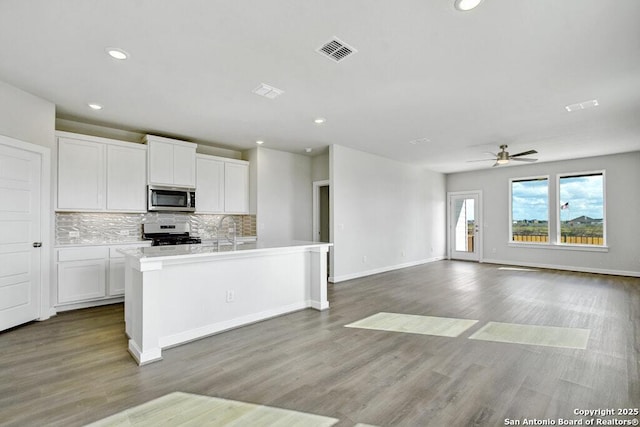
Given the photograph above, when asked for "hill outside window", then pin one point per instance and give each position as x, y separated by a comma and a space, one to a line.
529, 219
581, 213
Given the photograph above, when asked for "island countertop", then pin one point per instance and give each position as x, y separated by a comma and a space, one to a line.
175, 294
177, 252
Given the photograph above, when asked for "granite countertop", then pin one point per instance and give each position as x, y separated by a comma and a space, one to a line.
137, 242
103, 243
208, 249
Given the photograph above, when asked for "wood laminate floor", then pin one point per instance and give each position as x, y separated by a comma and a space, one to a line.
74, 368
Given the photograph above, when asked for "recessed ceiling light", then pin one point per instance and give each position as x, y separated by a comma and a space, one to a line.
582, 105
259, 142
465, 5
95, 106
116, 53
320, 120
308, 150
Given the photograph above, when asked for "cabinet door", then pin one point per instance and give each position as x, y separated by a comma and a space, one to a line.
116, 276
81, 280
81, 175
184, 166
126, 179
236, 188
160, 163
209, 186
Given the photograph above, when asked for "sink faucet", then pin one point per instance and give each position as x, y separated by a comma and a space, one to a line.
232, 233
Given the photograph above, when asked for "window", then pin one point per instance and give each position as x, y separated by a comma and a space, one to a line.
530, 210
581, 209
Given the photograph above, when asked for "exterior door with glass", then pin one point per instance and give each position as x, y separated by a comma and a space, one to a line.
465, 225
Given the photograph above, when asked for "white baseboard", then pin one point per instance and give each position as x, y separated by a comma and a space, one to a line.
215, 328
337, 279
96, 303
563, 267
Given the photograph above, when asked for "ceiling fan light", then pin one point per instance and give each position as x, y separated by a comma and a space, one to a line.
503, 156
464, 5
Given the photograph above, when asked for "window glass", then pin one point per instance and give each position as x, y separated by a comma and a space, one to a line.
530, 210
581, 209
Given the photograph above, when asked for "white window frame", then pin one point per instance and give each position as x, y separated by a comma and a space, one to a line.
530, 178
604, 209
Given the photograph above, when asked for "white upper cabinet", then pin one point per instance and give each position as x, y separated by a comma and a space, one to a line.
236, 187
209, 185
222, 185
126, 178
160, 162
81, 175
100, 175
184, 166
171, 162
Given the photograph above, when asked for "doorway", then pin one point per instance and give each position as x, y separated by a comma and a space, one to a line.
465, 225
24, 232
321, 211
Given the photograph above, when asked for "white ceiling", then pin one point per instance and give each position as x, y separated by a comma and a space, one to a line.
467, 81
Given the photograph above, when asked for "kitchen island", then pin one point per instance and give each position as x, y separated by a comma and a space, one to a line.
176, 294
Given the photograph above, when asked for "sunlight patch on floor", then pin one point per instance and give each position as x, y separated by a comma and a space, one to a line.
184, 409
414, 324
549, 336
516, 269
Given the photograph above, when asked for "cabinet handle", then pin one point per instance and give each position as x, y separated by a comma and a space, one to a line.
37, 244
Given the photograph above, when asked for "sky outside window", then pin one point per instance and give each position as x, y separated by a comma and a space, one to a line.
581, 196
530, 200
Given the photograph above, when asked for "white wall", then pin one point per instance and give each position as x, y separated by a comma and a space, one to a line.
384, 214
320, 167
622, 178
26, 117
283, 198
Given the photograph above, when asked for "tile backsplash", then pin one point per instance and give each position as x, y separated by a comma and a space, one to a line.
99, 228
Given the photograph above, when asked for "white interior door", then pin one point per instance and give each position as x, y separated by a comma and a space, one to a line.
465, 224
20, 234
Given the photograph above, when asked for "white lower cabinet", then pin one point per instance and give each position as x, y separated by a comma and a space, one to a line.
90, 275
81, 274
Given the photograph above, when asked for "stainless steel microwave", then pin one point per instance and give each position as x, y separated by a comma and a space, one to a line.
173, 199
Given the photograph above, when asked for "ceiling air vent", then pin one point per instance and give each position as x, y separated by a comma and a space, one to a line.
268, 91
336, 50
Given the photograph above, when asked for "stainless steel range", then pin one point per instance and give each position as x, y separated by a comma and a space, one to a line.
169, 234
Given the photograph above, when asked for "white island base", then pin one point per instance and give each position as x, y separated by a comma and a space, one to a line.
181, 293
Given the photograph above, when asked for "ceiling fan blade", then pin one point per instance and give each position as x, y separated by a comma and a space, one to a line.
525, 160
524, 153
480, 160
495, 164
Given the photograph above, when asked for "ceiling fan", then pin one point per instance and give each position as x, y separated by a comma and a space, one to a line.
503, 157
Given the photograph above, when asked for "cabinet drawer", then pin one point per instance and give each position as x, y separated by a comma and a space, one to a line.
83, 253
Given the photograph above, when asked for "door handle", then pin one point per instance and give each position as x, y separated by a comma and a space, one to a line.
37, 244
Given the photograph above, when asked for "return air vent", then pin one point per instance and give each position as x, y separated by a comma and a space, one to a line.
336, 50
268, 91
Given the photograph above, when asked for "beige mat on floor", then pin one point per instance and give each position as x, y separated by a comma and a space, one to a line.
549, 336
426, 325
183, 409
